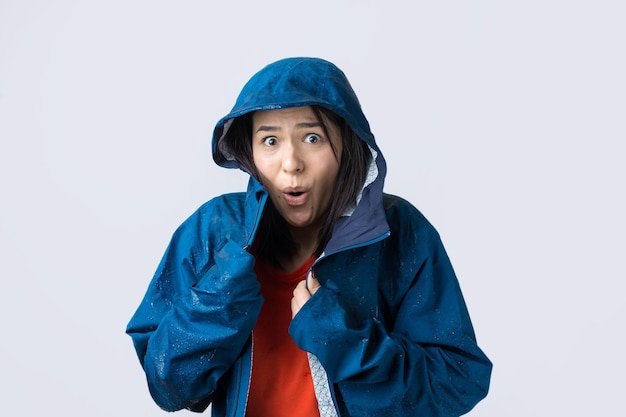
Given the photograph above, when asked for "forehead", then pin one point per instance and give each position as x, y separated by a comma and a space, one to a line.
281, 116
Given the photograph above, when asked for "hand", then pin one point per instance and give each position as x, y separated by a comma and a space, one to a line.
301, 293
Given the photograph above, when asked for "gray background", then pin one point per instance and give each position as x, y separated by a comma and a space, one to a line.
502, 121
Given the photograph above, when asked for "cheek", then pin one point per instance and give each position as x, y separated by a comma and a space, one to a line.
263, 167
329, 168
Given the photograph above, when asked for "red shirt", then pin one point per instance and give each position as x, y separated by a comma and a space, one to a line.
281, 383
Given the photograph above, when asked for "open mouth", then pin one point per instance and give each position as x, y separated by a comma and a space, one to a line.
295, 197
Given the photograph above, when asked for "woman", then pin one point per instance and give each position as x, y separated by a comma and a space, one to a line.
313, 293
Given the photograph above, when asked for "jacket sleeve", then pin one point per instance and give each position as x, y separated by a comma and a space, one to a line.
424, 359
195, 318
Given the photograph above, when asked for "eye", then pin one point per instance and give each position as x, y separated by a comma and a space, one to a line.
270, 141
313, 138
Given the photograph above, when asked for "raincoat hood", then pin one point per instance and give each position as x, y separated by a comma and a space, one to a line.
294, 82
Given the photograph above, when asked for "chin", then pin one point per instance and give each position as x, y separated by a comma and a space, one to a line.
299, 223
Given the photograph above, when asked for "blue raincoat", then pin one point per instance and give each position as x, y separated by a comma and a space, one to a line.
387, 334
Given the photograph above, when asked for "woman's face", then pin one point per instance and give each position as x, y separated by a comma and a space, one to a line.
296, 162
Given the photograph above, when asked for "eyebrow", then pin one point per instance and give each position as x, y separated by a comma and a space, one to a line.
302, 125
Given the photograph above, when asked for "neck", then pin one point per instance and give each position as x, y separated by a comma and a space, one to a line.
306, 240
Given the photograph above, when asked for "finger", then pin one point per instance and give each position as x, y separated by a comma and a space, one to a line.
301, 293
300, 296
295, 307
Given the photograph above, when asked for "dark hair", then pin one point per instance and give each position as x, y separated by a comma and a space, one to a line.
273, 238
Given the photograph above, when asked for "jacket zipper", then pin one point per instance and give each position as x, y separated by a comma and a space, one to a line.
331, 386
246, 246
240, 377
245, 405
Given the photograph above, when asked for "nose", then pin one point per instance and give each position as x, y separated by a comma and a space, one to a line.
292, 159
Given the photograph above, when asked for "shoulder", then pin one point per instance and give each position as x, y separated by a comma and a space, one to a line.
217, 220
231, 204
401, 213
408, 225
218, 217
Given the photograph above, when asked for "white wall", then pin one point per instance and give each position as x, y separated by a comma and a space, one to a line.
501, 121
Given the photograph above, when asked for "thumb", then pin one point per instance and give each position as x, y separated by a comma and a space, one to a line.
312, 283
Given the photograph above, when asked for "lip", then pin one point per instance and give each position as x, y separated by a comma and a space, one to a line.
295, 196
